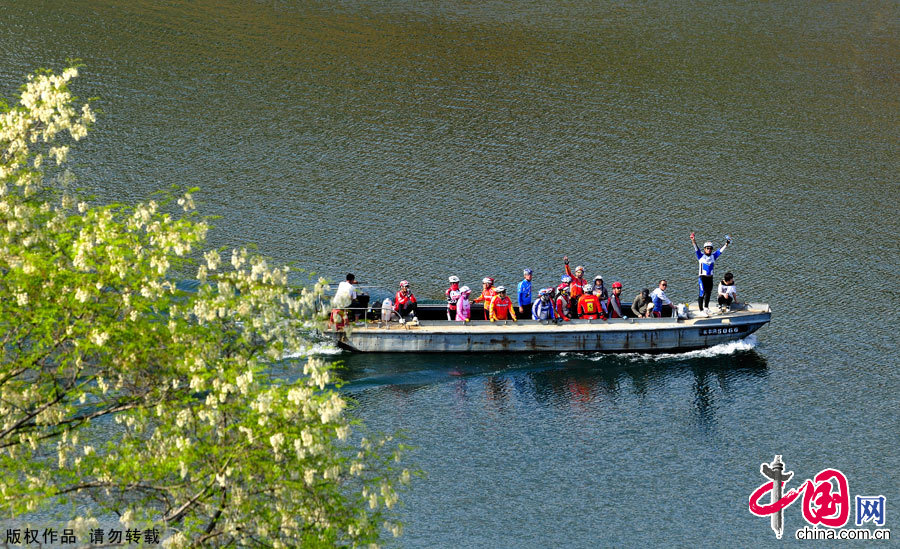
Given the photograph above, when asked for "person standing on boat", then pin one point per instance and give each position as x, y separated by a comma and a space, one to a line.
543, 307
576, 290
463, 307
642, 306
603, 295
660, 298
727, 292
562, 304
589, 304
487, 294
501, 306
405, 301
525, 291
707, 259
452, 297
614, 303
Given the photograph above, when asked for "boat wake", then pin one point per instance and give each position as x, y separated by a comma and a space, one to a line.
722, 349
729, 348
316, 349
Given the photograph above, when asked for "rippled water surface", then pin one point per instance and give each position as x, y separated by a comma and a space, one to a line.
418, 140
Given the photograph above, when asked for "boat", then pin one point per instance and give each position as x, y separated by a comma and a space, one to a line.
432, 333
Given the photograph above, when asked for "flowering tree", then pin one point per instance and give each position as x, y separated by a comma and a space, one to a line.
120, 391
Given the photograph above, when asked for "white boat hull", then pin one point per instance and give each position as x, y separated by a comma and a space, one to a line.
612, 336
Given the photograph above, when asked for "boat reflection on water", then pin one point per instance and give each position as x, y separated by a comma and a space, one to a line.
568, 381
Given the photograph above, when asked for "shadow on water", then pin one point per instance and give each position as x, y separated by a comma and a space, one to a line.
556, 379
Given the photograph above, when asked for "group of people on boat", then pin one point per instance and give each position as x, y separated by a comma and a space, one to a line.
573, 297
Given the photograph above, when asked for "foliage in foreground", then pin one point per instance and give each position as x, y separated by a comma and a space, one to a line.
119, 393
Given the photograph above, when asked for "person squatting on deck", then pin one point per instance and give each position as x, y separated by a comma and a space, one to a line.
487, 294
543, 308
452, 297
463, 307
727, 292
501, 306
405, 301
707, 259
642, 306
525, 291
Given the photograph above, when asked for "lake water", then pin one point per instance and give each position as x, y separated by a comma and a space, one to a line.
419, 140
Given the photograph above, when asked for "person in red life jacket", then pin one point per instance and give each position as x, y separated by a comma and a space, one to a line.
487, 294
562, 304
589, 304
405, 301
576, 290
452, 297
501, 306
614, 304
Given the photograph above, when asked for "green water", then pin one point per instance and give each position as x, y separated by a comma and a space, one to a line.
418, 140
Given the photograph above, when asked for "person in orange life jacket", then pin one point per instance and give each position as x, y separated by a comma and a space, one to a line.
577, 287
405, 301
452, 297
562, 304
614, 303
501, 306
603, 295
487, 294
589, 304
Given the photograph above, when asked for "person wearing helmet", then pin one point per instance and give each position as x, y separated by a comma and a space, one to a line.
589, 303
452, 297
543, 309
501, 306
614, 303
405, 301
562, 304
603, 295
576, 290
565, 281
525, 291
487, 294
707, 259
463, 307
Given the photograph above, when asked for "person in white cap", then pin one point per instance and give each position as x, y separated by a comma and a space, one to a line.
707, 259
452, 297
501, 306
487, 294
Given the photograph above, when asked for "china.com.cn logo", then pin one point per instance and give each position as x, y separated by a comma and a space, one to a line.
826, 500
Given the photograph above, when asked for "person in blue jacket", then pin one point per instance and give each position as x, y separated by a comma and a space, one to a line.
543, 308
525, 292
707, 259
